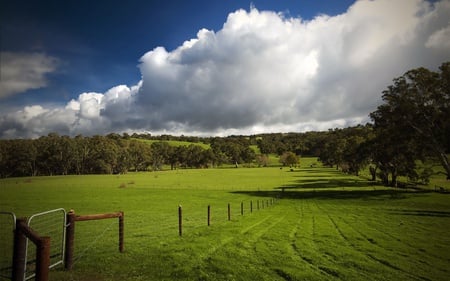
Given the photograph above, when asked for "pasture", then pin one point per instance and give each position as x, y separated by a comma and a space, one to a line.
325, 226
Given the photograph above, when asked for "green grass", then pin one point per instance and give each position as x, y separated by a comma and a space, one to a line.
177, 143
326, 225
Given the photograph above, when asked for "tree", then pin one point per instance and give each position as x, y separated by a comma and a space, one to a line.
82, 151
177, 156
55, 154
160, 154
102, 158
139, 154
289, 159
194, 157
355, 155
413, 120
236, 150
333, 149
262, 160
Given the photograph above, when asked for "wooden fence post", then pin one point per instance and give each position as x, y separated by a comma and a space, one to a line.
19, 255
209, 215
251, 206
70, 238
180, 220
121, 231
229, 211
22, 232
43, 259
242, 208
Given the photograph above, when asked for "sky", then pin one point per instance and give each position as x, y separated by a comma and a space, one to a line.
207, 68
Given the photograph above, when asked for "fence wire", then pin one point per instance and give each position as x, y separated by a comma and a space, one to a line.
93, 238
7, 226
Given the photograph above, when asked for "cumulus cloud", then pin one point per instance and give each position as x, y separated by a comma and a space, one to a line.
91, 113
263, 72
20, 72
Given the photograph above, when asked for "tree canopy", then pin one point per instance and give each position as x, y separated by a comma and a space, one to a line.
413, 122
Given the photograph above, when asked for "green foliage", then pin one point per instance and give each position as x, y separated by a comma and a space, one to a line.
412, 123
262, 160
289, 159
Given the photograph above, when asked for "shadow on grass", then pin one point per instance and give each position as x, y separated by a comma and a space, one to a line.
421, 213
333, 194
324, 183
327, 171
321, 170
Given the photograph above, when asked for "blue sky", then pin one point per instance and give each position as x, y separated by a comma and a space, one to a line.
100, 42
90, 65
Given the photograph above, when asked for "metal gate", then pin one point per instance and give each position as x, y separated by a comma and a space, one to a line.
53, 224
7, 226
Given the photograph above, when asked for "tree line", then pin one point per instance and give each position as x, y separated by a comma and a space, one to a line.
412, 124
112, 154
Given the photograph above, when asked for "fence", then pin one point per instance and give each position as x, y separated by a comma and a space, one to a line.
23, 233
50, 224
21, 260
7, 227
52, 234
244, 207
72, 219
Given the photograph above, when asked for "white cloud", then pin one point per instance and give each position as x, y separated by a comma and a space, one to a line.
91, 113
263, 72
440, 39
20, 72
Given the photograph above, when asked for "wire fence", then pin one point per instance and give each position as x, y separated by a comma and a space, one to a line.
7, 226
99, 239
94, 238
193, 218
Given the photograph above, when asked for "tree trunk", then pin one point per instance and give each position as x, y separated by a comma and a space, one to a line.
373, 173
436, 148
385, 179
444, 162
394, 178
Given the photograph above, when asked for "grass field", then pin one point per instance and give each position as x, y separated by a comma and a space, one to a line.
176, 143
325, 226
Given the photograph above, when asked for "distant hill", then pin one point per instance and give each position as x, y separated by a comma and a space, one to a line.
175, 142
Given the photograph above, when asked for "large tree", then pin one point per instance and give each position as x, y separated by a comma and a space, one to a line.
414, 117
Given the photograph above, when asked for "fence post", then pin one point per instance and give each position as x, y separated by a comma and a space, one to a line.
251, 206
43, 259
121, 231
19, 255
209, 215
180, 220
229, 212
242, 208
70, 238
